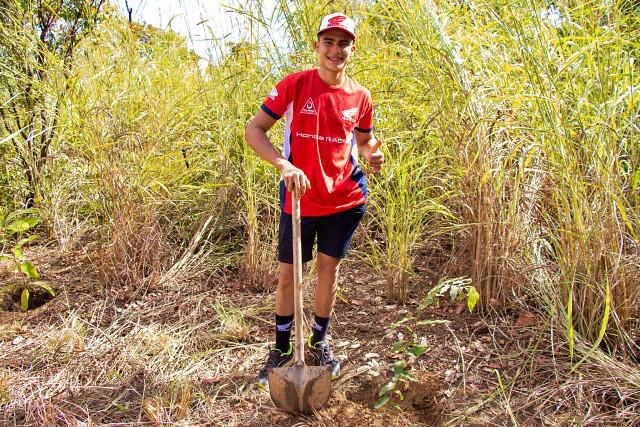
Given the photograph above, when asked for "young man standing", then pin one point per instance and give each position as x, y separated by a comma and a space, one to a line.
328, 122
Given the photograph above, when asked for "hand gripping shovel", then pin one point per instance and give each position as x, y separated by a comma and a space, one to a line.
300, 388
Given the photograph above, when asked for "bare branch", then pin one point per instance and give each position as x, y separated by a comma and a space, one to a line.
129, 11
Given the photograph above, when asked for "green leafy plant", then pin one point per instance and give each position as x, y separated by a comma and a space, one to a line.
391, 387
458, 289
12, 228
412, 346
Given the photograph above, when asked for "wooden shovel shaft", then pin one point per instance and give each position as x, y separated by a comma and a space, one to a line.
297, 279
299, 388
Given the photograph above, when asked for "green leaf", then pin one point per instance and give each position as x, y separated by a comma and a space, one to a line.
5, 258
399, 366
21, 212
22, 225
24, 299
122, 407
428, 301
407, 375
24, 241
453, 292
418, 350
603, 325
29, 269
381, 402
570, 332
46, 287
400, 322
17, 252
390, 385
397, 346
472, 298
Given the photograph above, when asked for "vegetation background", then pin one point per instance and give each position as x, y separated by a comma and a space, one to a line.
511, 133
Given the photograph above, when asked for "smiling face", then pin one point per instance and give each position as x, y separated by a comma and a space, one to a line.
334, 48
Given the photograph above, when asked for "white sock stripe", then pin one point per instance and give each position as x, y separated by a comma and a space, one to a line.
316, 326
284, 327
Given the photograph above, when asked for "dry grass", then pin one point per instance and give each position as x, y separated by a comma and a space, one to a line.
185, 351
170, 357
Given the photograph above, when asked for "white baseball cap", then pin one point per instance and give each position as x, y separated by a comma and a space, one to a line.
338, 21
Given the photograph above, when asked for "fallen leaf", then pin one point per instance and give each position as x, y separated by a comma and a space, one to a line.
211, 380
371, 355
449, 375
362, 369
526, 318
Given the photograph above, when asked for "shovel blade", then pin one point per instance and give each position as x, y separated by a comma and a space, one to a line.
301, 388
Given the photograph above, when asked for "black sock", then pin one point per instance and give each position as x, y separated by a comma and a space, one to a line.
320, 327
283, 332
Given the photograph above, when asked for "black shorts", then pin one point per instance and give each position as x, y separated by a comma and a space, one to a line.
334, 234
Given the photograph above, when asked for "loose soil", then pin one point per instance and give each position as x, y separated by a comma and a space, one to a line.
212, 381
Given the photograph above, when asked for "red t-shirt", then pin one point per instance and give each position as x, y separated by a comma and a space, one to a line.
319, 139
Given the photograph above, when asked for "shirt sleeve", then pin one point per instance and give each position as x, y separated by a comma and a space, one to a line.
365, 121
276, 102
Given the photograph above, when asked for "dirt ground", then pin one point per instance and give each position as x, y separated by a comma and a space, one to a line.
215, 333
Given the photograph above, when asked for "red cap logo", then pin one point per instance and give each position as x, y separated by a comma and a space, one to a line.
336, 21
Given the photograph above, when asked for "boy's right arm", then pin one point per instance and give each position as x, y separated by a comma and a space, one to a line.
256, 136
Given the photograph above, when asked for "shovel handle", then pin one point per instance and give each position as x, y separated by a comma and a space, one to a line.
298, 351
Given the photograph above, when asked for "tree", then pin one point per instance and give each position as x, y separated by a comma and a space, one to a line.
37, 43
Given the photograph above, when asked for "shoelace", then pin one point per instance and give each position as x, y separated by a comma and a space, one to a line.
272, 360
326, 353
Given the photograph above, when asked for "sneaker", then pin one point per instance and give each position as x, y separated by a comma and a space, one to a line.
276, 359
324, 356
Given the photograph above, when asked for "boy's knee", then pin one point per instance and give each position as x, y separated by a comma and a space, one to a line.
328, 265
285, 276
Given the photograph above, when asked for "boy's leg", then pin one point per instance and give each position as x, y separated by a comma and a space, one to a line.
325, 299
334, 237
284, 293
284, 307
328, 268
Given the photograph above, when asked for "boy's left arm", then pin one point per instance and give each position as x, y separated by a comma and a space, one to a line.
369, 149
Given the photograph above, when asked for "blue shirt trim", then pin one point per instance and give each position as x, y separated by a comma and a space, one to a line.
269, 112
358, 176
364, 130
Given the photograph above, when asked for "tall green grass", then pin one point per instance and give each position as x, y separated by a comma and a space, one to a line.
537, 142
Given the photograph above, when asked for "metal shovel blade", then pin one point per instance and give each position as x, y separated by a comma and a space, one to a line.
300, 388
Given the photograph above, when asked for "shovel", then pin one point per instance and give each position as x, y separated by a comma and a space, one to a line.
299, 388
